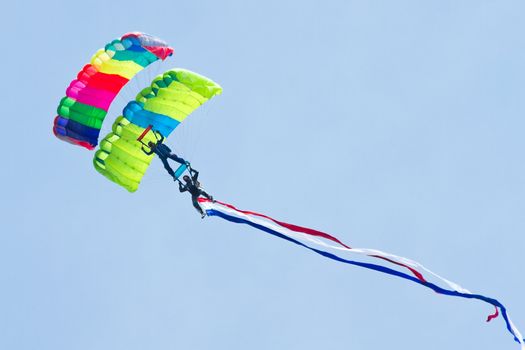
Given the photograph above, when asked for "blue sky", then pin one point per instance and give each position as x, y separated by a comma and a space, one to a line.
392, 125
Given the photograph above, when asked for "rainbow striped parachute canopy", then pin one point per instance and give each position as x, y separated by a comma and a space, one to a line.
83, 109
171, 97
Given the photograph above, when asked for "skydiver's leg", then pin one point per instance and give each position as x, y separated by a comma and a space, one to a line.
176, 158
204, 194
167, 167
196, 205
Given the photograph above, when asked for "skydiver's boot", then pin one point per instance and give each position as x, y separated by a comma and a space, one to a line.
208, 196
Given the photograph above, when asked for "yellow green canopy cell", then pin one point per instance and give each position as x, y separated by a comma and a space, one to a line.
171, 97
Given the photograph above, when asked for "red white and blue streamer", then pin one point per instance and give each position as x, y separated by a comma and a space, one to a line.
332, 248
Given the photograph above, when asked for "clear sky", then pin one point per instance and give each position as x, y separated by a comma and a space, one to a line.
396, 125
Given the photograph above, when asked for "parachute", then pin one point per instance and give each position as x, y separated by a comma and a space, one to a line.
82, 111
160, 107
171, 97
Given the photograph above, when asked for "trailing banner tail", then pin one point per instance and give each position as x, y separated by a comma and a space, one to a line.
332, 248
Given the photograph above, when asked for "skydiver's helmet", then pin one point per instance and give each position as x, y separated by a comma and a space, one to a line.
151, 144
186, 178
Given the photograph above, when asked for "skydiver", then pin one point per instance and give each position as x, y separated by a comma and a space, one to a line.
164, 152
194, 188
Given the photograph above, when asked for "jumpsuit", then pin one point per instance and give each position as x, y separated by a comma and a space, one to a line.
195, 191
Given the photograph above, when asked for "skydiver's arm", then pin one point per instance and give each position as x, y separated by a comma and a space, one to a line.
148, 153
182, 188
195, 174
161, 137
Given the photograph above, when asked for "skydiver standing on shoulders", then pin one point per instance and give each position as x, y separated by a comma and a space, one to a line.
164, 152
194, 188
